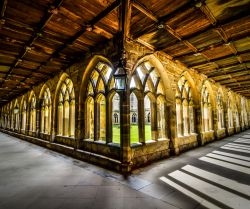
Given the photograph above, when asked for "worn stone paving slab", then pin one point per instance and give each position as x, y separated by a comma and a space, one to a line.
32, 177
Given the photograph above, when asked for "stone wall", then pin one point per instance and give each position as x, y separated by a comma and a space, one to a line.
221, 133
207, 137
184, 143
143, 154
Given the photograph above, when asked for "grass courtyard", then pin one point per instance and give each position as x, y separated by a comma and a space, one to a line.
134, 135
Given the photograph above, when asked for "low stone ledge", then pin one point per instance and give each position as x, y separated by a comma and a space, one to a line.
207, 137
110, 150
220, 133
70, 151
64, 140
144, 154
184, 143
231, 131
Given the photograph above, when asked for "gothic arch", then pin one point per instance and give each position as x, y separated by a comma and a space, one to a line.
151, 89
185, 121
84, 80
163, 73
193, 86
207, 107
45, 105
32, 104
64, 107
97, 96
23, 110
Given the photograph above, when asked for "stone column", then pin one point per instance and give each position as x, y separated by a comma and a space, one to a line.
28, 112
198, 123
53, 123
226, 121
215, 114
125, 131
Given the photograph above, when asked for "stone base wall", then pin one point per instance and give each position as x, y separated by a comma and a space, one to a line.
207, 137
230, 131
46, 137
70, 151
237, 129
109, 150
32, 133
220, 133
143, 154
184, 143
68, 141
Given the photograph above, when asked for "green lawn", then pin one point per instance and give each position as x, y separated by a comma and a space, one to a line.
133, 133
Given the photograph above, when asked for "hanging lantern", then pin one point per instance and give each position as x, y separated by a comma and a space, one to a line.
120, 77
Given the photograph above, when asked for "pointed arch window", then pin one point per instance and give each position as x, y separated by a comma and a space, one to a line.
236, 115
220, 112
230, 114
16, 116
206, 110
46, 112
33, 113
116, 118
244, 119
24, 113
66, 109
184, 108
134, 128
147, 105
102, 113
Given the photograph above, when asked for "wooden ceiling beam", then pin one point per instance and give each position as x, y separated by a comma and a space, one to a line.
144, 10
45, 19
90, 25
70, 41
113, 6
218, 59
224, 73
128, 19
18, 24
204, 8
153, 17
232, 47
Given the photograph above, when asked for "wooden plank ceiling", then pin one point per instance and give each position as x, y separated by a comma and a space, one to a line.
40, 38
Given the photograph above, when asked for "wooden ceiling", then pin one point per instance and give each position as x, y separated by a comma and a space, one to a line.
40, 38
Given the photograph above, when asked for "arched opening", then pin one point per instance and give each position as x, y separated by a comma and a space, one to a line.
103, 105
161, 117
45, 112
101, 117
24, 112
151, 107
147, 114
66, 118
66, 109
60, 119
116, 119
230, 114
220, 112
184, 108
90, 118
32, 113
134, 131
206, 109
